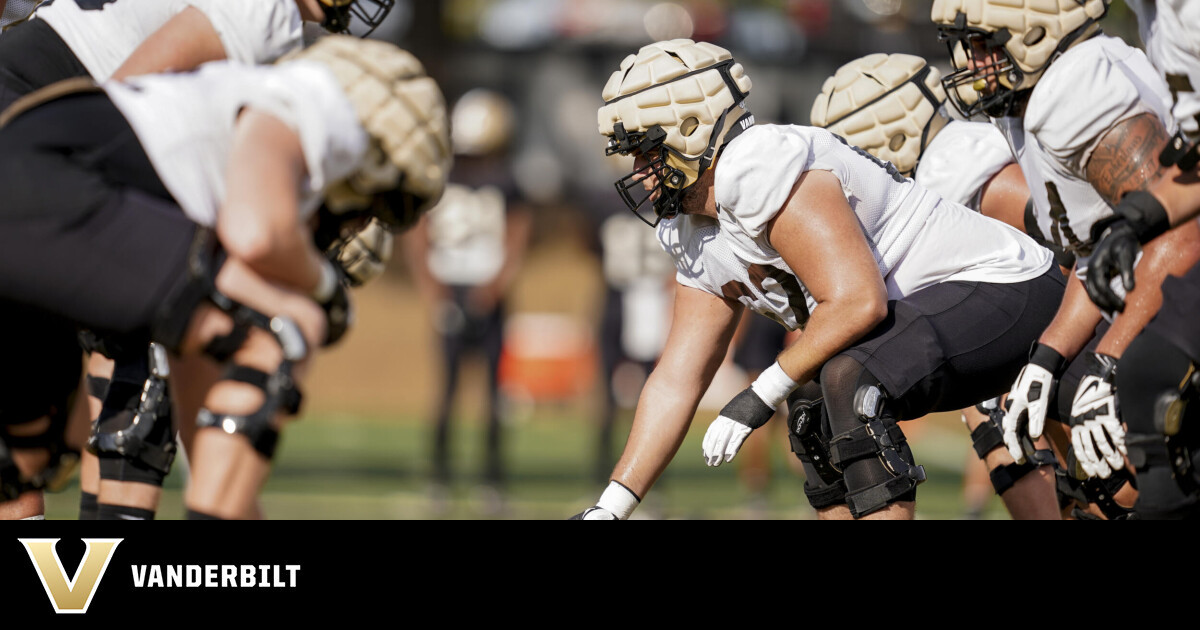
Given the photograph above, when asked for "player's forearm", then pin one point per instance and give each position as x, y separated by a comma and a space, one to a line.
1075, 323
834, 326
182, 44
1179, 194
664, 414
1172, 253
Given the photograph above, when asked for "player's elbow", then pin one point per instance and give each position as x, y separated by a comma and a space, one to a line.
251, 241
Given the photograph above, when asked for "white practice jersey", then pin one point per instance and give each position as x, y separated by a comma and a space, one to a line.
961, 160
185, 122
103, 33
466, 235
918, 238
1085, 93
1170, 30
631, 252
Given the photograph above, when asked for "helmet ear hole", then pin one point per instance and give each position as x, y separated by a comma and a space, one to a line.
897, 142
1035, 35
689, 126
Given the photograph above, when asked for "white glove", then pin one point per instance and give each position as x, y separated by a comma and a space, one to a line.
747, 411
595, 514
724, 438
1030, 399
1096, 432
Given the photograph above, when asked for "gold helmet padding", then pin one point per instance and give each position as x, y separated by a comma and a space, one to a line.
403, 112
687, 89
1035, 32
889, 105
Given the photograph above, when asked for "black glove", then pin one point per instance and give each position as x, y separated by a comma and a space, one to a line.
1115, 254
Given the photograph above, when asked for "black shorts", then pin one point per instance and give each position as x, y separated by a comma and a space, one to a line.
87, 230
956, 344
41, 367
1179, 319
32, 56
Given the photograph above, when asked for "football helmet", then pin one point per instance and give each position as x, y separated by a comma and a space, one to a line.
675, 104
890, 105
481, 123
1002, 47
402, 110
355, 17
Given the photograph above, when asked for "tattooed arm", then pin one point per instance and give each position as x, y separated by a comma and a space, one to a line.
1127, 160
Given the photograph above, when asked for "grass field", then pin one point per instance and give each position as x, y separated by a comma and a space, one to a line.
332, 467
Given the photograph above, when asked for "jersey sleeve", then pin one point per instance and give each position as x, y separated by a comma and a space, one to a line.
962, 159
1081, 98
756, 174
305, 96
254, 31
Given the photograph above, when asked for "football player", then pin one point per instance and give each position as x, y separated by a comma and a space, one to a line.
121, 38
1156, 376
1035, 70
895, 289
111, 241
893, 106
465, 256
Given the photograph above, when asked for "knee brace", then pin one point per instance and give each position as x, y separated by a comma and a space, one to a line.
146, 438
812, 448
204, 262
989, 436
58, 470
879, 437
279, 389
1094, 491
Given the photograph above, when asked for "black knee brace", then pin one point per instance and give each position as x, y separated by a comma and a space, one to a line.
143, 448
879, 437
989, 436
279, 390
812, 448
1095, 491
204, 261
58, 470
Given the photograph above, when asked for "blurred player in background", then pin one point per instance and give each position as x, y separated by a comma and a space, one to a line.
122, 38
758, 341
896, 290
893, 106
106, 238
1157, 377
1086, 118
465, 256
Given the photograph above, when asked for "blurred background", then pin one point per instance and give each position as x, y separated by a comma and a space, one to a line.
578, 292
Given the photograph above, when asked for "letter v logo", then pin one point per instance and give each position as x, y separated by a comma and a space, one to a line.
74, 596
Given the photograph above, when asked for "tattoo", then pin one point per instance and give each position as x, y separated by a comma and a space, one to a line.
1127, 157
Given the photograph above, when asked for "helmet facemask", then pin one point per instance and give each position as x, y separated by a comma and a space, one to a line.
355, 17
979, 86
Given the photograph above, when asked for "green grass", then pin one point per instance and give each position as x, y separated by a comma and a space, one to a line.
367, 468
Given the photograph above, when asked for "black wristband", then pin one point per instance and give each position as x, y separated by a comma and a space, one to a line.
748, 409
1046, 357
1145, 215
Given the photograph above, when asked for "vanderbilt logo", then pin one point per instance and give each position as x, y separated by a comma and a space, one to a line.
73, 596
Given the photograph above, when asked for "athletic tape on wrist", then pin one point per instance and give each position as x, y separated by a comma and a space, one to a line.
619, 500
773, 386
1048, 358
327, 284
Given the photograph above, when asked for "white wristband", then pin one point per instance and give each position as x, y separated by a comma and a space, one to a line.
619, 500
773, 386
327, 284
